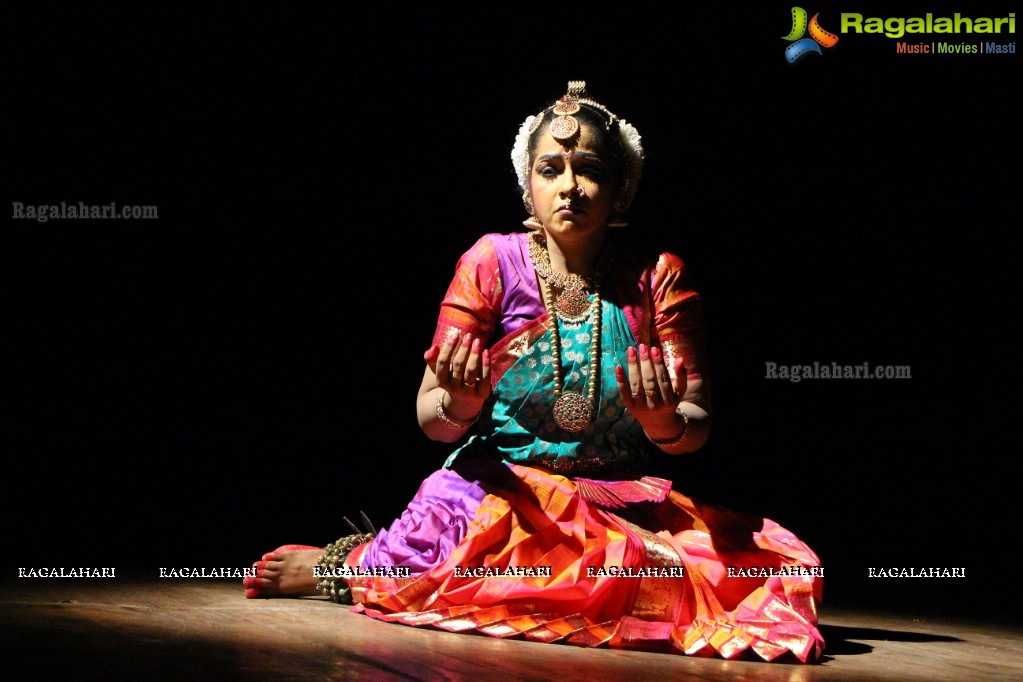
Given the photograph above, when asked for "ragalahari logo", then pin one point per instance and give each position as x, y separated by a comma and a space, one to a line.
800, 45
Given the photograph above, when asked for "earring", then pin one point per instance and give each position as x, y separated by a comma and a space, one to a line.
619, 208
531, 222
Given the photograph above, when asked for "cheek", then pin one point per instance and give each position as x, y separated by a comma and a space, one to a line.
601, 195
539, 189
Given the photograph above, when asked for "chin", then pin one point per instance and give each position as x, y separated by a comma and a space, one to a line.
574, 227
580, 221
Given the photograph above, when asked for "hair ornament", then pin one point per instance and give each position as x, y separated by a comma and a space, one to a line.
567, 106
537, 120
564, 128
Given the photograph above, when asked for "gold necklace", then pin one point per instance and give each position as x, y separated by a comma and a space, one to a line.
572, 304
572, 411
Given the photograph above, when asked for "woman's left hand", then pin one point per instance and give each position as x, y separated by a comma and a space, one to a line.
648, 390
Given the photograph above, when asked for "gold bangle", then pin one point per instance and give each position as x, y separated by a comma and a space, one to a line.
448, 421
673, 441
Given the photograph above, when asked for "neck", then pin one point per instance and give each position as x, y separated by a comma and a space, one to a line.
573, 256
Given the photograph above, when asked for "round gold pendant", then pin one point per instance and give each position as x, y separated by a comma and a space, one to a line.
563, 128
572, 412
567, 107
572, 304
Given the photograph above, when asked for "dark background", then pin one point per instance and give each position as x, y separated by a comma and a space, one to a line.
240, 373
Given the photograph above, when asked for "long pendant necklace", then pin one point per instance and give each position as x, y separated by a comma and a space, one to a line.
572, 411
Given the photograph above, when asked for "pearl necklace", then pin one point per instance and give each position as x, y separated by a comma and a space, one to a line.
572, 411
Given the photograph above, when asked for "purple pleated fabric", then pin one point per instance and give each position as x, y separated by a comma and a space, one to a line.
522, 301
429, 529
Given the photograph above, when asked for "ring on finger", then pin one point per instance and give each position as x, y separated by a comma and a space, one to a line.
650, 393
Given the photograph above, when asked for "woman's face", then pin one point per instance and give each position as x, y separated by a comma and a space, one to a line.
571, 186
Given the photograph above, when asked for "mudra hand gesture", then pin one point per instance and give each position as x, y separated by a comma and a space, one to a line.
462, 368
649, 392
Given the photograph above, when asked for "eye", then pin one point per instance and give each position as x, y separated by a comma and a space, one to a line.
546, 171
594, 172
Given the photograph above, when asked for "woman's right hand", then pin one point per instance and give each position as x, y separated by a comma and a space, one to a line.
456, 383
462, 368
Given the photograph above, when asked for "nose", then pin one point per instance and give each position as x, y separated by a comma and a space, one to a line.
569, 183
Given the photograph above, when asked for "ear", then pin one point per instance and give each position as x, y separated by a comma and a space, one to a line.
527, 201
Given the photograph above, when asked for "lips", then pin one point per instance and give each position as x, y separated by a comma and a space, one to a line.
571, 208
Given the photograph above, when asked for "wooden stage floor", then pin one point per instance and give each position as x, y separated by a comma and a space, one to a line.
207, 630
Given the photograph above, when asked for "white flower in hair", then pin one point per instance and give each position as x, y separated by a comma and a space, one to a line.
520, 153
634, 150
633, 140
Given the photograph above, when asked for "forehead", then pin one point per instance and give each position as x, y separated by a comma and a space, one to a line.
586, 141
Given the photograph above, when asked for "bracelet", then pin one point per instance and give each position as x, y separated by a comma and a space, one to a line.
448, 421
334, 555
674, 441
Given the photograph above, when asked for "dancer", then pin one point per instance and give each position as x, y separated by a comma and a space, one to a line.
565, 358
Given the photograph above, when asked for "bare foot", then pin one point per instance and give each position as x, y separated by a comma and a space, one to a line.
285, 572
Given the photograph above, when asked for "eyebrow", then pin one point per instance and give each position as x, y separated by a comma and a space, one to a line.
560, 155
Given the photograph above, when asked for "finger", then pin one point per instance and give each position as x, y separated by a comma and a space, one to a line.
472, 364
634, 375
649, 381
459, 359
681, 376
662, 376
485, 377
623, 387
443, 366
